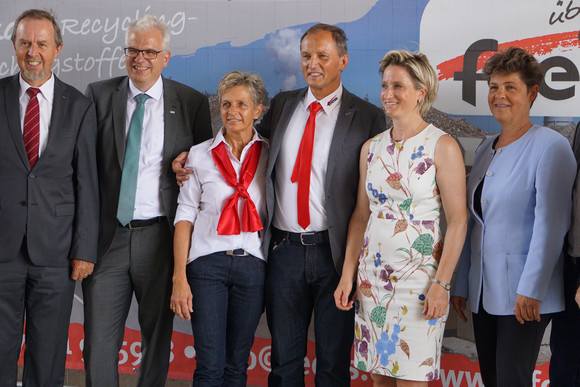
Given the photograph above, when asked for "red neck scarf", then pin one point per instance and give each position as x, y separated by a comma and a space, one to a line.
229, 223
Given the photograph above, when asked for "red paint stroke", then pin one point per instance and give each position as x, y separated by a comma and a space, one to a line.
540, 45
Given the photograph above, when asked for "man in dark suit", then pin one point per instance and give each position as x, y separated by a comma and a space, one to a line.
48, 203
565, 338
144, 121
310, 221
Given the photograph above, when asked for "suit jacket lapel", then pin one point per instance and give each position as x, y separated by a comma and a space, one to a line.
59, 109
171, 107
286, 114
119, 106
12, 106
343, 121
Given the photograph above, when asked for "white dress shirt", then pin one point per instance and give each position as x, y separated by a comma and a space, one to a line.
202, 197
286, 207
45, 98
148, 201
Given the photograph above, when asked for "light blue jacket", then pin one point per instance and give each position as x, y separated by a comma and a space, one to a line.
526, 203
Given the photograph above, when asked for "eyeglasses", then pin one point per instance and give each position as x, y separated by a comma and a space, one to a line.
147, 54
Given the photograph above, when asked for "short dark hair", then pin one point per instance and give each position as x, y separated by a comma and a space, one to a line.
515, 60
337, 34
39, 14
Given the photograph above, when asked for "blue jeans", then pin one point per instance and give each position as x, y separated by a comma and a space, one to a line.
228, 299
302, 279
565, 336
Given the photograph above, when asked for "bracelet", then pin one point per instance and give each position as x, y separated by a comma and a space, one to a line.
444, 285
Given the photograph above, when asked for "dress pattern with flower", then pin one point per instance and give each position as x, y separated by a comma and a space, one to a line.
401, 250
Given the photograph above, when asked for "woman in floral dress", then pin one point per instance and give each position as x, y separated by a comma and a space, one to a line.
395, 250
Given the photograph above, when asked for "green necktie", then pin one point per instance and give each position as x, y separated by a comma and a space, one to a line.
126, 206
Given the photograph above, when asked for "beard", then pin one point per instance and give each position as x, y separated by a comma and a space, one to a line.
33, 76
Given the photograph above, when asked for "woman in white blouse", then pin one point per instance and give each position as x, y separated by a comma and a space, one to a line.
218, 279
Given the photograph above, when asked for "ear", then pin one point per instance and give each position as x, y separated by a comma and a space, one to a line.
533, 93
58, 48
343, 62
166, 56
258, 111
422, 93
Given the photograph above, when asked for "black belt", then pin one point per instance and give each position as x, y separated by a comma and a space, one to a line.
305, 238
140, 223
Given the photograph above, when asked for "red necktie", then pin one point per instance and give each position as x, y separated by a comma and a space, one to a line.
302, 168
32, 126
229, 223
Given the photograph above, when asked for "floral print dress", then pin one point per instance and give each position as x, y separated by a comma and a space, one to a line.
401, 250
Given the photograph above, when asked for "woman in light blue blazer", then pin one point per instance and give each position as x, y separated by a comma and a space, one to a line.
519, 197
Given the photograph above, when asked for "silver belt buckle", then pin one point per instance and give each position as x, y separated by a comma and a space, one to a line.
308, 234
231, 252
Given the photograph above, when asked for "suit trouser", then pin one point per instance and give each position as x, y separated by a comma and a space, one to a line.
45, 294
565, 336
139, 261
507, 350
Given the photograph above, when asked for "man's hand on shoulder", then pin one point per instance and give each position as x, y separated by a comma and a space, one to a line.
81, 269
178, 166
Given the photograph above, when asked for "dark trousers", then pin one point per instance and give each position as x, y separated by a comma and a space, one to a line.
139, 261
228, 300
302, 279
507, 350
565, 336
45, 295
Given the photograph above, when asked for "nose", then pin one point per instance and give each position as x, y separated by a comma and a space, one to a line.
32, 50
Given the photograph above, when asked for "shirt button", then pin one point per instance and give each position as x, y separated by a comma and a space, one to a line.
483, 201
32, 176
499, 150
488, 173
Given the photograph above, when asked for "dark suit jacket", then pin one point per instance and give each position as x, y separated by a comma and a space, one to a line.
187, 122
357, 122
55, 204
572, 244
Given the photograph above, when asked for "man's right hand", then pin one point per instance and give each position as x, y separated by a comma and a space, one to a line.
178, 166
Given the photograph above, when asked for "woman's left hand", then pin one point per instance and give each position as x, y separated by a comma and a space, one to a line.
436, 302
527, 309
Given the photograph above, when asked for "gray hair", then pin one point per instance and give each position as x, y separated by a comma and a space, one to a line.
253, 82
147, 22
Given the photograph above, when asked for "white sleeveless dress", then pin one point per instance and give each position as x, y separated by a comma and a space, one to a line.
401, 250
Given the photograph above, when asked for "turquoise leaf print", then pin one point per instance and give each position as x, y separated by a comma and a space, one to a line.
378, 316
424, 244
406, 205
361, 366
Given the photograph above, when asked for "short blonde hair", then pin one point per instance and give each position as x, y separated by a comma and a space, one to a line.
420, 70
253, 82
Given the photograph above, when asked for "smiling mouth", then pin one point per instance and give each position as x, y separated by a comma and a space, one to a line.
140, 68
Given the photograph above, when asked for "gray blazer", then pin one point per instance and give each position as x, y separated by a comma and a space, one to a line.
357, 121
187, 122
55, 204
